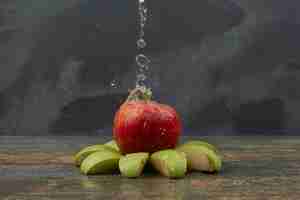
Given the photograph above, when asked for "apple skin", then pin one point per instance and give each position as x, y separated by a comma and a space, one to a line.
146, 126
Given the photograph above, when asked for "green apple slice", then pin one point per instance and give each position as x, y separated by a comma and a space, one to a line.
202, 143
82, 154
170, 163
132, 165
113, 145
100, 162
201, 158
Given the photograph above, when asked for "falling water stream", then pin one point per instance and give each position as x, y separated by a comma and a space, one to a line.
142, 60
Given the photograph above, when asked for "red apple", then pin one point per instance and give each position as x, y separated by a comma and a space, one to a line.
143, 125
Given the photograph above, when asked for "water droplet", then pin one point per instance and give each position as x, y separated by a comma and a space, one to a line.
141, 77
142, 33
142, 60
114, 83
141, 43
143, 18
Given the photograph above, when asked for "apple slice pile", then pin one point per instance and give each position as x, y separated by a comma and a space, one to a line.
106, 158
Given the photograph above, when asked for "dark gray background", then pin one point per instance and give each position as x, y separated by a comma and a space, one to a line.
227, 66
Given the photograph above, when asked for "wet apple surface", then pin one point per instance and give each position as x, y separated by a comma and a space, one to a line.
144, 125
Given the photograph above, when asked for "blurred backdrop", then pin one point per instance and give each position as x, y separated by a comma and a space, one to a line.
227, 66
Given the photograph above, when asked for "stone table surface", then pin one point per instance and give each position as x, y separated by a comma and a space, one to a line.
255, 167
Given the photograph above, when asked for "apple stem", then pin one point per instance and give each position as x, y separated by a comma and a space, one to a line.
140, 93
